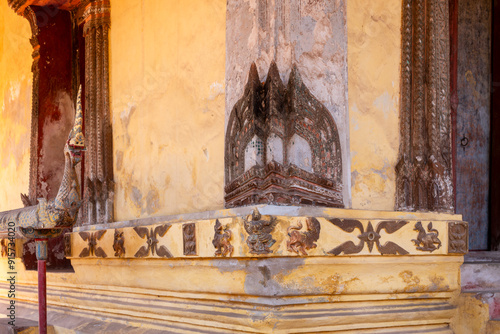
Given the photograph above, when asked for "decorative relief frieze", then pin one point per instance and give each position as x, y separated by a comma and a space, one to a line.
259, 231
222, 240
257, 235
92, 248
151, 235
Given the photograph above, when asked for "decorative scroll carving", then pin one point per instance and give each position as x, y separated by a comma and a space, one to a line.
67, 245
424, 169
299, 241
458, 237
4, 244
189, 238
151, 236
222, 240
282, 146
92, 249
370, 237
259, 238
119, 244
426, 241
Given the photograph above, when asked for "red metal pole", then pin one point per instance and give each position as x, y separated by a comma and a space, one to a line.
41, 255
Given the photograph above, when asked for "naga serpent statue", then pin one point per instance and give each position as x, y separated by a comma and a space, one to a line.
49, 218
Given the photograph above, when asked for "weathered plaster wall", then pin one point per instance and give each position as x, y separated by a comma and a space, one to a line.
15, 107
374, 57
167, 100
310, 34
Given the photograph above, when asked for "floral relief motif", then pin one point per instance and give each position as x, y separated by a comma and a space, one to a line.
92, 249
369, 237
151, 236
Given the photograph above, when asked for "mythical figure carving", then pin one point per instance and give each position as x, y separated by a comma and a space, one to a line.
426, 241
259, 239
189, 238
282, 146
152, 241
62, 211
92, 249
118, 244
222, 240
299, 241
370, 237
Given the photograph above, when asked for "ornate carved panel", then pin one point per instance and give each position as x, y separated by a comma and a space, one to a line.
282, 146
98, 181
424, 169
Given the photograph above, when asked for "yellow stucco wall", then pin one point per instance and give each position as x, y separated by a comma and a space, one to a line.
15, 107
167, 99
374, 56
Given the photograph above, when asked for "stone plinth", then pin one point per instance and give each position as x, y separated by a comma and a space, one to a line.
264, 269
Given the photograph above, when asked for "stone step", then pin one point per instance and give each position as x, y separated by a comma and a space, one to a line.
493, 327
22, 326
481, 272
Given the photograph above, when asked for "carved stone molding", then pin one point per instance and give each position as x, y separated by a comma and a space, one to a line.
458, 237
282, 146
424, 170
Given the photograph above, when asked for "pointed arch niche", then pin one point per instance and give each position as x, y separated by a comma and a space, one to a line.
282, 146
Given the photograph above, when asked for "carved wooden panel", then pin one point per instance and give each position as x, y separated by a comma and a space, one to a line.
282, 146
424, 171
